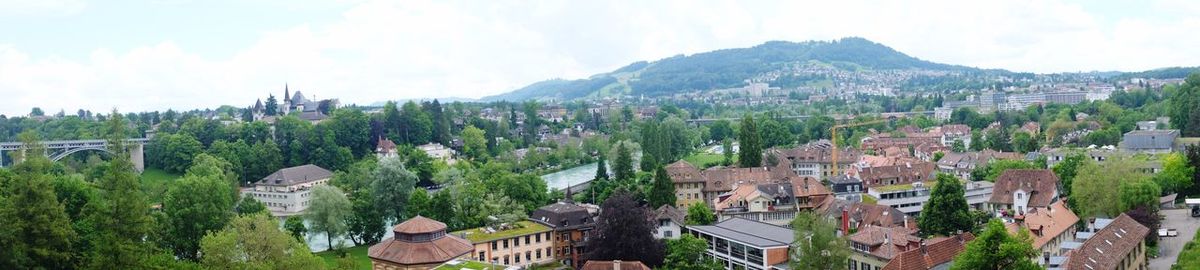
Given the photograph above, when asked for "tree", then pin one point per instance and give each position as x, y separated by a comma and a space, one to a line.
720, 130
816, 244
255, 242
687, 253
391, 186
366, 223
938, 156
1148, 216
1183, 104
993, 169
352, 129
272, 106
474, 143
1024, 143
977, 140
120, 217
39, 230
750, 144
295, 226
996, 249
1138, 192
958, 146
624, 233
699, 214
727, 152
419, 203
601, 169
194, 207
946, 212
662, 192
249, 205
37, 112
327, 212
1067, 169
623, 164
1176, 174
1092, 191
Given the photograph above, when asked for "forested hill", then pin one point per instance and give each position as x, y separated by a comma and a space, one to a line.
724, 69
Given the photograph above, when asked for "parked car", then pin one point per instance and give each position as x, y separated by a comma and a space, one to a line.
1168, 232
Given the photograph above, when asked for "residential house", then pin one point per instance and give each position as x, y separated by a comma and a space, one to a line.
962, 164
418, 243
854, 216
1149, 141
668, 222
775, 203
286, 191
937, 253
928, 151
1018, 190
438, 151
572, 226
878, 143
519, 244
898, 173
739, 243
693, 185
873, 247
815, 159
1050, 227
955, 133
385, 148
847, 187
1119, 245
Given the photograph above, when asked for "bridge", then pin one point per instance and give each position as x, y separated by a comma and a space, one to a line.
57, 150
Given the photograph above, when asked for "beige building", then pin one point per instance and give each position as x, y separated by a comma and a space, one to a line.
286, 192
520, 244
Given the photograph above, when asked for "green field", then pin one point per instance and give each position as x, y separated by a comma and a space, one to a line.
357, 254
155, 183
701, 159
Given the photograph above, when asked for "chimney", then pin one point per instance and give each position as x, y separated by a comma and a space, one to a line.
616, 265
923, 250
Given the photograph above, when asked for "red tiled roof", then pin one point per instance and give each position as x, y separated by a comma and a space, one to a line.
1046, 223
614, 265
1110, 245
443, 247
934, 253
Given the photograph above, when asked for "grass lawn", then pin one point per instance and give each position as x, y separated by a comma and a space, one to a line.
475, 265
868, 199
478, 235
358, 254
700, 159
155, 183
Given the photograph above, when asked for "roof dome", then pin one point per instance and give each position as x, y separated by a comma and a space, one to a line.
419, 225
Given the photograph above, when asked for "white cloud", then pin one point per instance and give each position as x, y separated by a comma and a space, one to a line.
382, 50
41, 7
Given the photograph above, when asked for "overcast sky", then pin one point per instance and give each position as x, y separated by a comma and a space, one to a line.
154, 55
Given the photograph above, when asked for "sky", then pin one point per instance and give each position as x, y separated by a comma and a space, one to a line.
182, 54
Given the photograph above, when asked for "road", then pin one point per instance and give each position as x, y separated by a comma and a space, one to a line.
1179, 219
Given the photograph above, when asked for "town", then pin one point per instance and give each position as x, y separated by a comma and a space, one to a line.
389, 135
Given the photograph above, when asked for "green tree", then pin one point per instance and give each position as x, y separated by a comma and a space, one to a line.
720, 130
699, 214
993, 169
1183, 104
255, 242
1138, 192
248, 206
295, 226
120, 218
365, 224
687, 253
623, 164
601, 169
995, 249
946, 212
1176, 174
1024, 143
977, 142
327, 212
194, 207
391, 186
272, 106
39, 232
749, 144
352, 129
474, 143
727, 152
420, 204
662, 192
817, 245
1092, 190
1067, 169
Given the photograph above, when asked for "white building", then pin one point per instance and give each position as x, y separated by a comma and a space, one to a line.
286, 192
668, 222
438, 151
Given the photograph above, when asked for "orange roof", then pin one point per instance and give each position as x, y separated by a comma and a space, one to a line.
1046, 223
419, 225
420, 240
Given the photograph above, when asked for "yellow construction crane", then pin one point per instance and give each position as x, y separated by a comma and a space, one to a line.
834, 137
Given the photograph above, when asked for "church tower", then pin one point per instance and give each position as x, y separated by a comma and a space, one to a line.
287, 101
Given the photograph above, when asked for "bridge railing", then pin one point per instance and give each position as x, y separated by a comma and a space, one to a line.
9, 146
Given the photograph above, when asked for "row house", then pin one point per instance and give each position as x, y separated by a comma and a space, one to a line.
854, 216
693, 185
880, 142
520, 244
962, 164
816, 159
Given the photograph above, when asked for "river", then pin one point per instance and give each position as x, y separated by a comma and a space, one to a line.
569, 177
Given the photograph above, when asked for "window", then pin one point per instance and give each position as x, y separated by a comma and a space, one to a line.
526, 240
528, 255
539, 254
505, 259
505, 241
517, 258
481, 258
538, 237
667, 234
493, 245
516, 242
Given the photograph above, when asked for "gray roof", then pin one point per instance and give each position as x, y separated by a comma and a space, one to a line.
750, 232
295, 175
312, 115
562, 215
1149, 139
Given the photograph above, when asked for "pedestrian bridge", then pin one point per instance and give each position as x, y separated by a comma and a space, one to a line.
57, 150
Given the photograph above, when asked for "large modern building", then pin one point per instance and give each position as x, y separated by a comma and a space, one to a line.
286, 192
1150, 141
419, 243
745, 244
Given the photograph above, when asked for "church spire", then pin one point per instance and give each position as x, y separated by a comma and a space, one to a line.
286, 96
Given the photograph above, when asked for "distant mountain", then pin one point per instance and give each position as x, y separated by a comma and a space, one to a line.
724, 69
